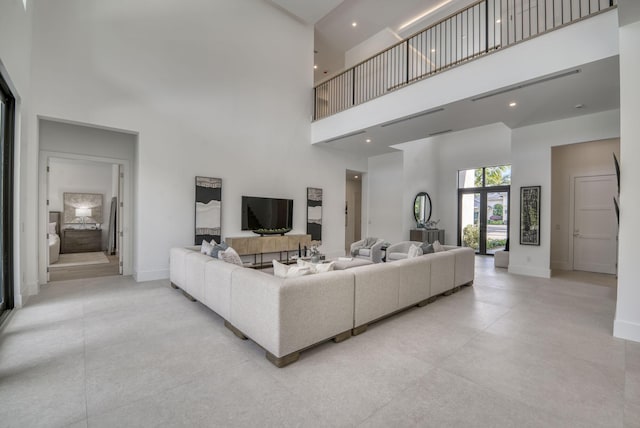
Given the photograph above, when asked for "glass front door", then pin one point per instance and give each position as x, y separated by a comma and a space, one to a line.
483, 213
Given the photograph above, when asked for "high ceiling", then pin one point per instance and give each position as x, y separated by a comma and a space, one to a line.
573, 94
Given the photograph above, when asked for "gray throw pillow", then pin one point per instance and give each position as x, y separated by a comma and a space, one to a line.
427, 248
217, 248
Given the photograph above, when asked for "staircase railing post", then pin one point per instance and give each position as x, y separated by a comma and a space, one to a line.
486, 25
407, 62
353, 86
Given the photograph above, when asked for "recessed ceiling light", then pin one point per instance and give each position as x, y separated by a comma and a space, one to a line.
513, 104
579, 106
355, 176
433, 49
315, 66
368, 140
498, 21
354, 24
422, 15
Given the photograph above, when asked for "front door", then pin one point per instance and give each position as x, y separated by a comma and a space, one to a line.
595, 228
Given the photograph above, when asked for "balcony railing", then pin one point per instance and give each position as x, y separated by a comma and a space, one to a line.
477, 30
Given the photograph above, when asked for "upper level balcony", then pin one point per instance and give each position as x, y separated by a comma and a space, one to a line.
427, 71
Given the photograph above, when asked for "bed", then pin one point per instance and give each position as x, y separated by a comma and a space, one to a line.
54, 236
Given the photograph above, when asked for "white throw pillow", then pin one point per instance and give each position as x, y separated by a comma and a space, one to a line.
437, 247
296, 271
206, 248
279, 269
52, 228
414, 251
230, 256
325, 267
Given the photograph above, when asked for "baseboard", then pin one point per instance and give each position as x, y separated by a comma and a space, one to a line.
626, 330
529, 271
151, 275
558, 265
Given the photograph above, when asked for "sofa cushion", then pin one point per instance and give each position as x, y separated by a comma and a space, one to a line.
364, 252
396, 256
281, 270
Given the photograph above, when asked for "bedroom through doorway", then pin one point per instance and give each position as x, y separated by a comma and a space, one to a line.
84, 218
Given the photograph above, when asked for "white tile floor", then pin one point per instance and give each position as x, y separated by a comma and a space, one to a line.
511, 351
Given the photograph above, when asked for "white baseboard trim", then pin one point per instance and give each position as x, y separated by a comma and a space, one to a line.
151, 275
626, 330
561, 265
529, 271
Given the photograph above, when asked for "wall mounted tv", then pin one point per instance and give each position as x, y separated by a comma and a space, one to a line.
266, 213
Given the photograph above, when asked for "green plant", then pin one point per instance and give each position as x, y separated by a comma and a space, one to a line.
496, 243
471, 236
497, 209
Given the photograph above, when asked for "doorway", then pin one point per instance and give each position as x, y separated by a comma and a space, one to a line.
352, 209
83, 199
483, 208
594, 224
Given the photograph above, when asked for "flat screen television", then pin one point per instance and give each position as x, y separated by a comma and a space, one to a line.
266, 213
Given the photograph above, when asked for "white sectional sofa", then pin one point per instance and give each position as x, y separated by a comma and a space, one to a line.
287, 315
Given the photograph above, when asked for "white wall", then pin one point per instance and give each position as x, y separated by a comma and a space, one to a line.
531, 166
77, 176
627, 323
385, 198
568, 162
15, 66
202, 103
432, 164
370, 47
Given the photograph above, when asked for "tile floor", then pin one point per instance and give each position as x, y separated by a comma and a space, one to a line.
511, 351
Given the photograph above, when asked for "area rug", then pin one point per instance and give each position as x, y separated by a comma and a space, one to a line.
79, 259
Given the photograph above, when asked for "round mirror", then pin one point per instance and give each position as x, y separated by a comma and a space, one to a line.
422, 208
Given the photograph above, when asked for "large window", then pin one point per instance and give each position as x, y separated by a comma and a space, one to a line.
483, 208
7, 109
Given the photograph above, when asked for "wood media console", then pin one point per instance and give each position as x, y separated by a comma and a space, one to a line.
259, 245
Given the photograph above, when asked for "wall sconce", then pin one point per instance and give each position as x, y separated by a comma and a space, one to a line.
84, 213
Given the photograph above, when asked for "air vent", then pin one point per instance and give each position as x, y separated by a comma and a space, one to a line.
440, 133
404, 119
527, 84
353, 134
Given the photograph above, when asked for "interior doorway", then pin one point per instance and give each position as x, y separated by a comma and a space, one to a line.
352, 209
83, 204
7, 114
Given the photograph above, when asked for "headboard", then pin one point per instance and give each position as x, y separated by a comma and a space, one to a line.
54, 216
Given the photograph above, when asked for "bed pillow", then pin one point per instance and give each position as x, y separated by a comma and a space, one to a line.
230, 256
52, 228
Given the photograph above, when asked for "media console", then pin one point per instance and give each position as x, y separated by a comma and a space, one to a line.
259, 245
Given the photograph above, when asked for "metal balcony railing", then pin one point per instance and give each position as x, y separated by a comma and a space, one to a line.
477, 30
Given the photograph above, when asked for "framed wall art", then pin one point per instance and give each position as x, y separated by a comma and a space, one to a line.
82, 208
530, 215
208, 209
314, 214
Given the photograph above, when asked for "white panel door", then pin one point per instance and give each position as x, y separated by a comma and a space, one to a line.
595, 227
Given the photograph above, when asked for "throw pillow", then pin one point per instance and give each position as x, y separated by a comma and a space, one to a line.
414, 251
437, 247
230, 256
325, 267
427, 248
296, 271
206, 248
279, 269
215, 251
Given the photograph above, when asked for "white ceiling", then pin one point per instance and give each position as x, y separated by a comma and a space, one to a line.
596, 87
309, 11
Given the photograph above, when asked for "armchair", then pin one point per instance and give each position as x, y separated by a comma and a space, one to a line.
373, 253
